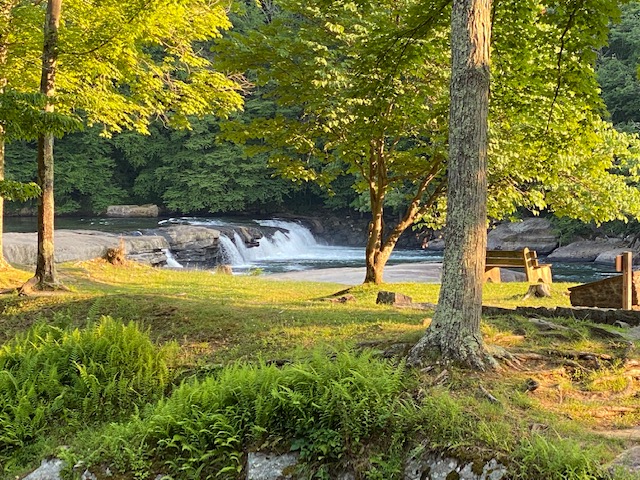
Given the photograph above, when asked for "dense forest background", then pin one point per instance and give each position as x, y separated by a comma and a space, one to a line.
197, 171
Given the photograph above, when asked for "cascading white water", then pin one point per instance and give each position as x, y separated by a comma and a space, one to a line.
171, 260
230, 252
290, 247
297, 241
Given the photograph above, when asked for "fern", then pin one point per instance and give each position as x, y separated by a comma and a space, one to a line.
53, 374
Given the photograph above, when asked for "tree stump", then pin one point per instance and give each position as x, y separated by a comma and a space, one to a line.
116, 255
539, 290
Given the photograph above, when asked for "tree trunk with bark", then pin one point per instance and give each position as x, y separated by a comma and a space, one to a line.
3, 261
5, 17
45, 275
380, 245
454, 334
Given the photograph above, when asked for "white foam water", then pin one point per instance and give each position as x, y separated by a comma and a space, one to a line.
171, 260
293, 247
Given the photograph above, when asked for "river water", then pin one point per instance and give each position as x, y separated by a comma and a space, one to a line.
293, 248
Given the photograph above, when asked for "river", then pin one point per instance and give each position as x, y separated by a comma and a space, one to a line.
295, 250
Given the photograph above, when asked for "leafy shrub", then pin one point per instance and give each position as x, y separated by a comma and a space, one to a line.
54, 376
324, 407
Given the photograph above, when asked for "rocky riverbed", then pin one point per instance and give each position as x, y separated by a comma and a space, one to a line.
200, 246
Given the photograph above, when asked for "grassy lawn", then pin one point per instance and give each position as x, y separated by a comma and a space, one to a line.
586, 385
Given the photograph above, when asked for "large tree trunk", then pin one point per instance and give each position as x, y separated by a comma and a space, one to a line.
45, 276
454, 334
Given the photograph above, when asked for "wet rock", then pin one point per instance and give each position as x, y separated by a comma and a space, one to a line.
133, 211
267, 466
48, 470
535, 233
191, 244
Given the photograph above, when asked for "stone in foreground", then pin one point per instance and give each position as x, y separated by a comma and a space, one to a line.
627, 462
267, 466
48, 470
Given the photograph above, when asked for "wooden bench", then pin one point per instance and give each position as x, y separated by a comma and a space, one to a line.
527, 259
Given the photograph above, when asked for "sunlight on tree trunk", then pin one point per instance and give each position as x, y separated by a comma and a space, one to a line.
45, 276
5, 18
3, 262
454, 334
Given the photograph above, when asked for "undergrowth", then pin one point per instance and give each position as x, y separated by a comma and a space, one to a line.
53, 378
325, 408
340, 412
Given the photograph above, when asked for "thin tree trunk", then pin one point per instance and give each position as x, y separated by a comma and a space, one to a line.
377, 192
3, 262
45, 276
5, 14
454, 333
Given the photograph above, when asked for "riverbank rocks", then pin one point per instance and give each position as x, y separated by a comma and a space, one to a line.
78, 245
133, 211
191, 244
589, 250
535, 233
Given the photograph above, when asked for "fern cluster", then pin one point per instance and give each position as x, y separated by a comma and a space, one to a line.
326, 408
52, 376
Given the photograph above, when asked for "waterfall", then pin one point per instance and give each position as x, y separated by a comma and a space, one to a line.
230, 253
171, 260
296, 242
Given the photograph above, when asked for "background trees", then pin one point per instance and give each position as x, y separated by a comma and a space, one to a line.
120, 66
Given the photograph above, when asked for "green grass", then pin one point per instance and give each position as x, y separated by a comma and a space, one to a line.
230, 329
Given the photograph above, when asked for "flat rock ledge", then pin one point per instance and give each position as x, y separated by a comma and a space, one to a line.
79, 245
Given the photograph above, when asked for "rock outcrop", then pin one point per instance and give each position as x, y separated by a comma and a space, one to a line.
75, 245
535, 233
590, 250
191, 244
132, 211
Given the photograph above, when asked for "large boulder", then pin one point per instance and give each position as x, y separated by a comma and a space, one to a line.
192, 244
601, 249
77, 245
535, 233
132, 211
